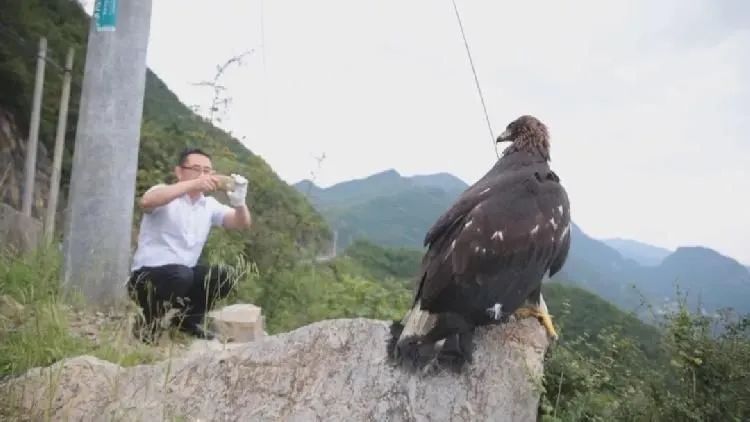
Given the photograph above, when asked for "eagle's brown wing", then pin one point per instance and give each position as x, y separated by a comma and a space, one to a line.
497, 243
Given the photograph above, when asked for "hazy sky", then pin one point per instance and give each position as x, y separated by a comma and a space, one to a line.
647, 102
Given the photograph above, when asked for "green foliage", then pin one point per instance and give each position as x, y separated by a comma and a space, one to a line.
380, 262
386, 208
303, 294
34, 318
595, 377
400, 219
22, 22
584, 314
698, 374
710, 367
31, 282
366, 281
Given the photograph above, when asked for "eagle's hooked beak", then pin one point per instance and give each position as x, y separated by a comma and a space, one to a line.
504, 137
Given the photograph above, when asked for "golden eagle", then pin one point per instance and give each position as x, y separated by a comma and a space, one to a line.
488, 253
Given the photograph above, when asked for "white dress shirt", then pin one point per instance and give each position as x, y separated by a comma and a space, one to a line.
176, 232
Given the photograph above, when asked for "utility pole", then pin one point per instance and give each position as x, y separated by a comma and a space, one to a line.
62, 119
31, 145
99, 217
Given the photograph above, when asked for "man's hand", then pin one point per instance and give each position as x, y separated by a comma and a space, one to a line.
204, 183
162, 194
239, 193
239, 217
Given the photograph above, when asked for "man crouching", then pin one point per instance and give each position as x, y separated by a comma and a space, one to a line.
177, 219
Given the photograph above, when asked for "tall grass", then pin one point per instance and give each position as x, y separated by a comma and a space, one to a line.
36, 316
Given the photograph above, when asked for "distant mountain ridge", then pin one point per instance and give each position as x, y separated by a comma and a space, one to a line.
386, 208
383, 183
640, 252
710, 280
395, 211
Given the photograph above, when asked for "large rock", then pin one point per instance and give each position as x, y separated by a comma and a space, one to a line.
330, 370
240, 322
18, 232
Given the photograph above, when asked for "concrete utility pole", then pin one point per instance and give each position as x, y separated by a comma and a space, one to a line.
31, 145
62, 120
99, 216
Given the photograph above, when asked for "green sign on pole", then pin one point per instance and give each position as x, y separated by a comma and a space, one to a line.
105, 15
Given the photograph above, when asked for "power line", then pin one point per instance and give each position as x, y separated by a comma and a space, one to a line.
32, 50
476, 79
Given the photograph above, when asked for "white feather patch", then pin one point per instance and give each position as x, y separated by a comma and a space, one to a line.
484, 191
534, 230
417, 322
497, 235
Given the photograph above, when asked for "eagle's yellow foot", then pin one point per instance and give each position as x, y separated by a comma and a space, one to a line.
544, 318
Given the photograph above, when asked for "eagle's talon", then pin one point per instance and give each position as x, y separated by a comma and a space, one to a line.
544, 318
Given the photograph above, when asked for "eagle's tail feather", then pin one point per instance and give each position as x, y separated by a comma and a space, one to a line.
407, 345
422, 337
418, 322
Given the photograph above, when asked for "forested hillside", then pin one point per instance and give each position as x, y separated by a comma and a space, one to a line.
285, 224
386, 208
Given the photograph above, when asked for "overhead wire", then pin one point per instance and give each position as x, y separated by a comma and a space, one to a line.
31, 50
476, 79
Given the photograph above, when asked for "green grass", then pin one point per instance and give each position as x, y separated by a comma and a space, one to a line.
35, 325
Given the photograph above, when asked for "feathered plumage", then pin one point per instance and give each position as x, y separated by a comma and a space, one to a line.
488, 253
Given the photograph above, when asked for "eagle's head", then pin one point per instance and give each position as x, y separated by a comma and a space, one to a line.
526, 133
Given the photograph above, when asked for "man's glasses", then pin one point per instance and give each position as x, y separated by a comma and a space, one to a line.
199, 169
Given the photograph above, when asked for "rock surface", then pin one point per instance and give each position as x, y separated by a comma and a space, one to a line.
240, 322
13, 157
18, 232
330, 370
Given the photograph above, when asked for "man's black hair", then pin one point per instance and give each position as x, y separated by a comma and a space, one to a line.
187, 151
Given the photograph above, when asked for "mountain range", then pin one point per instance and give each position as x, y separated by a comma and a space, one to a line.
640, 252
392, 210
385, 208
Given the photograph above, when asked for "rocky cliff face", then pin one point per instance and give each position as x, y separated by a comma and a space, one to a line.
330, 370
12, 157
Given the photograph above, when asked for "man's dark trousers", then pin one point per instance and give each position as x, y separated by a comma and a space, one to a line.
192, 290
